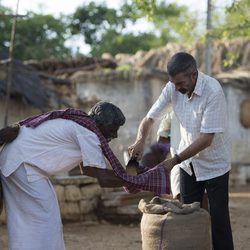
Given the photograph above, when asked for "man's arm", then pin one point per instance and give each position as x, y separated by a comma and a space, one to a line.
145, 126
106, 177
164, 130
197, 146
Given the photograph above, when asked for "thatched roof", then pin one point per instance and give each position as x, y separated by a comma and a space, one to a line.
83, 63
26, 83
237, 78
239, 49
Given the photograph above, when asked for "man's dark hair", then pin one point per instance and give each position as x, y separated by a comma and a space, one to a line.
106, 113
181, 62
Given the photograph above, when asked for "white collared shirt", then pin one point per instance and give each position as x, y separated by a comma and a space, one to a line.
204, 112
53, 147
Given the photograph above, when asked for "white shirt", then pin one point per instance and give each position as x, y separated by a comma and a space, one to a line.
170, 126
204, 112
54, 146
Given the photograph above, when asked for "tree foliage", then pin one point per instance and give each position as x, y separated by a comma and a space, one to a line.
37, 36
114, 43
5, 25
101, 27
175, 23
236, 22
93, 20
104, 30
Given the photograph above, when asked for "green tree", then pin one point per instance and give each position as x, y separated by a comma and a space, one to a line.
37, 36
236, 22
93, 20
114, 43
173, 23
104, 29
41, 36
5, 27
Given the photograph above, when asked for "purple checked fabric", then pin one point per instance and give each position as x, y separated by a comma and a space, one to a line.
155, 180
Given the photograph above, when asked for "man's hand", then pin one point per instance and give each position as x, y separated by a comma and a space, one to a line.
168, 164
197, 146
106, 177
136, 149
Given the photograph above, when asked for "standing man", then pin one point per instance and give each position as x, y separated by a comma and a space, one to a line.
204, 151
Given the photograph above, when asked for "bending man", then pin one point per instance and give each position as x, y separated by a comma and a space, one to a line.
47, 146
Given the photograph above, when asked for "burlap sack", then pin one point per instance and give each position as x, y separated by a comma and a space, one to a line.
169, 225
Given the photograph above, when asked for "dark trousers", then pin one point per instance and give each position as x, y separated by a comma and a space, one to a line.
217, 191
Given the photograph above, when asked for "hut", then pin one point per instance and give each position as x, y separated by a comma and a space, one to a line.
29, 95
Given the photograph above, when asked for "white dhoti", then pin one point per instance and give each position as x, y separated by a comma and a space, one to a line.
32, 213
175, 181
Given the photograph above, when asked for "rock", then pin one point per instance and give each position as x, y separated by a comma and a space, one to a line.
60, 192
70, 210
72, 193
87, 206
73, 180
90, 191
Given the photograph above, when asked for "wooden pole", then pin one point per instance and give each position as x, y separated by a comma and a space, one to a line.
208, 50
9, 79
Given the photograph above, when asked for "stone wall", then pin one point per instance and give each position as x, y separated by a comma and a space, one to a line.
82, 199
78, 197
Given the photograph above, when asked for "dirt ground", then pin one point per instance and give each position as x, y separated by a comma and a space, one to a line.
105, 236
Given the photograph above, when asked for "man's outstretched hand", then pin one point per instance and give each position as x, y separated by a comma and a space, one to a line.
136, 149
168, 164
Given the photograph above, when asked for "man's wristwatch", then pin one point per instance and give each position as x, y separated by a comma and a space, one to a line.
178, 159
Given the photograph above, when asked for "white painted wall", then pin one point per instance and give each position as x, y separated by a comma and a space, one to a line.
134, 97
240, 135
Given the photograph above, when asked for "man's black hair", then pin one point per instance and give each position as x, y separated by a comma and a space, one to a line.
106, 113
181, 62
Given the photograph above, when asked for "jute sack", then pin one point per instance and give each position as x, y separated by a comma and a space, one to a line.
170, 225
